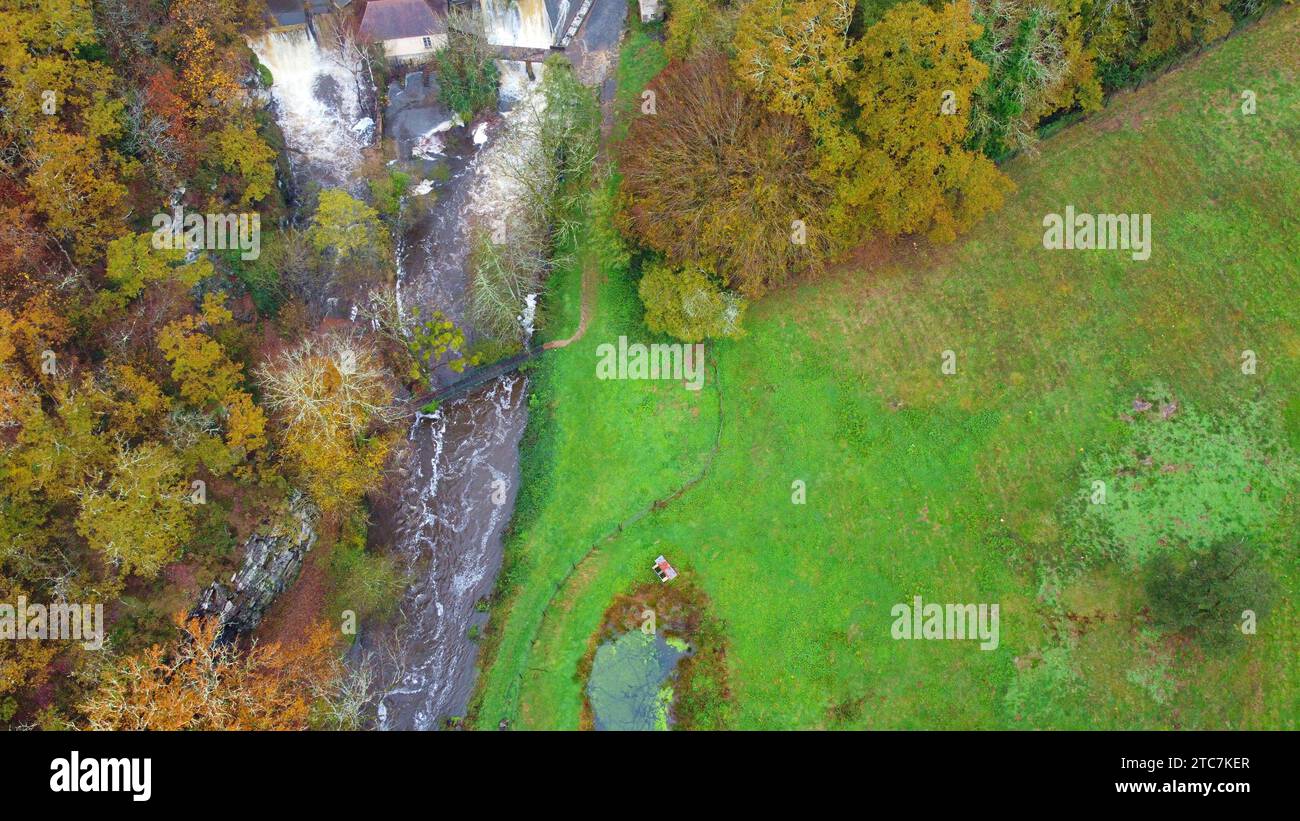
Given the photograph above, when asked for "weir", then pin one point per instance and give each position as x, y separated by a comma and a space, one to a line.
316, 89
528, 24
287, 15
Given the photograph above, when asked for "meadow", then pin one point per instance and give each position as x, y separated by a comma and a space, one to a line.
951, 487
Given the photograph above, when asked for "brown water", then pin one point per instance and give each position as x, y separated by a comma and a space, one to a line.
461, 475
458, 475
456, 480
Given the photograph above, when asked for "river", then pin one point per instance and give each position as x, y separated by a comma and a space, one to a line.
458, 472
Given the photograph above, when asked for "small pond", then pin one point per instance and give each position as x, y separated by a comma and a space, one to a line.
631, 681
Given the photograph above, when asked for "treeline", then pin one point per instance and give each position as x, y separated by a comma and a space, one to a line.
162, 390
784, 132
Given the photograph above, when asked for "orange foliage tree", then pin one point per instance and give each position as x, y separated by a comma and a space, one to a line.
196, 684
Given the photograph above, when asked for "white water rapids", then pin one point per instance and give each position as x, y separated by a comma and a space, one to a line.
317, 105
458, 493
456, 479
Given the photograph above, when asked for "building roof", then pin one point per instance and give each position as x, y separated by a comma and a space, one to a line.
395, 19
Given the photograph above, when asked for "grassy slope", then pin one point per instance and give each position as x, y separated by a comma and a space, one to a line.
931, 499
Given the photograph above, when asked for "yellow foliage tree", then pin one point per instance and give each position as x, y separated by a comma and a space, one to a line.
797, 57
914, 92
328, 394
77, 188
200, 366
139, 516
241, 150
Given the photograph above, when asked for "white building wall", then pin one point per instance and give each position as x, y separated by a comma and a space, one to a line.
413, 48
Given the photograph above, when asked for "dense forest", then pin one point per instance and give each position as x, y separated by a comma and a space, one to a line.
808, 128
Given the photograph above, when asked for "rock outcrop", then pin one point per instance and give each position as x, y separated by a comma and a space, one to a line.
272, 562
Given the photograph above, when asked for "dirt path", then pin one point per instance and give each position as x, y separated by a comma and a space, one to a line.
589, 285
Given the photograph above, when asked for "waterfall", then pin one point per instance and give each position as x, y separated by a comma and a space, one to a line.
561, 15
523, 23
317, 105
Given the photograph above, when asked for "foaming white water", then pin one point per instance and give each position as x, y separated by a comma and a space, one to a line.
317, 103
430, 145
518, 23
529, 317
502, 167
514, 82
460, 458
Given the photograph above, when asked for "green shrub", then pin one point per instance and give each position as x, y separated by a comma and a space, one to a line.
387, 192
487, 351
686, 303
1207, 594
366, 583
467, 72
260, 276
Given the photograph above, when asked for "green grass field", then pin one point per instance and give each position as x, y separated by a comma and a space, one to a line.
947, 487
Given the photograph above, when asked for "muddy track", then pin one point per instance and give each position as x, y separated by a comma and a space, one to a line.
585, 311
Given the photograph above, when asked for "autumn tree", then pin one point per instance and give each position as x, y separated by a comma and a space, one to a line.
345, 228
76, 186
136, 261
329, 394
28, 263
62, 120
797, 57
197, 684
241, 150
24, 665
51, 456
713, 178
30, 336
209, 379
914, 94
138, 401
1174, 25
201, 35
139, 514
200, 367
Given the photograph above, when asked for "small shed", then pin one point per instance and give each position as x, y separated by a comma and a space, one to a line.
664, 570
